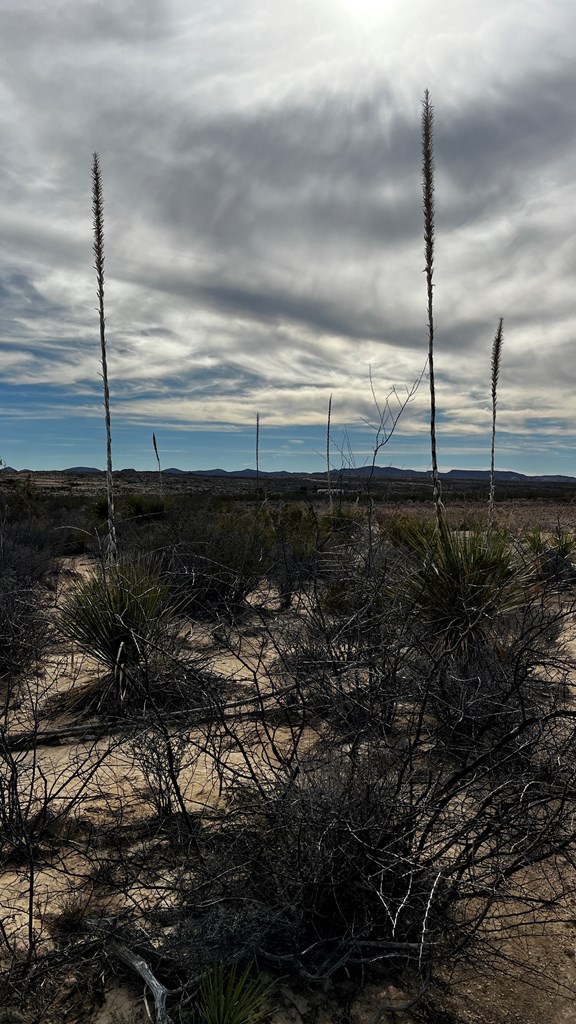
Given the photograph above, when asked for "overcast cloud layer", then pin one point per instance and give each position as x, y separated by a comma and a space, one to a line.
261, 173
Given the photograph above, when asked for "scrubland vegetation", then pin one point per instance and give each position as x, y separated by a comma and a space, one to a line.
334, 746
259, 747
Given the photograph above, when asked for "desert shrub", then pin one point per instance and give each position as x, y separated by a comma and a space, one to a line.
484, 633
301, 856
25, 824
168, 758
28, 547
308, 548
97, 509
24, 629
215, 562
352, 577
351, 661
376, 852
125, 619
208, 587
26, 559
408, 532
294, 535
143, 507
361, 665
142, 527
479, 701
555, 569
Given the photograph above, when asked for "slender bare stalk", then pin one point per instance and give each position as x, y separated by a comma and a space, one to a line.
428, 208
496, 353
158, 461
98, 247
328, 424
257, 452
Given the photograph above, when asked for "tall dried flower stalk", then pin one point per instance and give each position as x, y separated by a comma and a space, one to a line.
257, 452
328, 425
98, 247
158, 461
428, 208
496, 354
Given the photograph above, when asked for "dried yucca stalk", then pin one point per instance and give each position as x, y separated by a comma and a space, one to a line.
328, 425
98, 247
158, 461
257, 452
428, 208
496, 354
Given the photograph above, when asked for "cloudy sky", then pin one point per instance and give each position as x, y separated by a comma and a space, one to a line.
261, 174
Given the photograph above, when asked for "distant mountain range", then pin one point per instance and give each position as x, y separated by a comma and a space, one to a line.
389, 473
363, 472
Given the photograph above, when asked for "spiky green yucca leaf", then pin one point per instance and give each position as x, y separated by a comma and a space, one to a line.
467, 582
230, 997
118, 617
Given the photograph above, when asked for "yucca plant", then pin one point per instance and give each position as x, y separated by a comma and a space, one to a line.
121, 619
228, 996
466, 583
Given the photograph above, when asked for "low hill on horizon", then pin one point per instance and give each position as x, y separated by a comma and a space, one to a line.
351, 473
